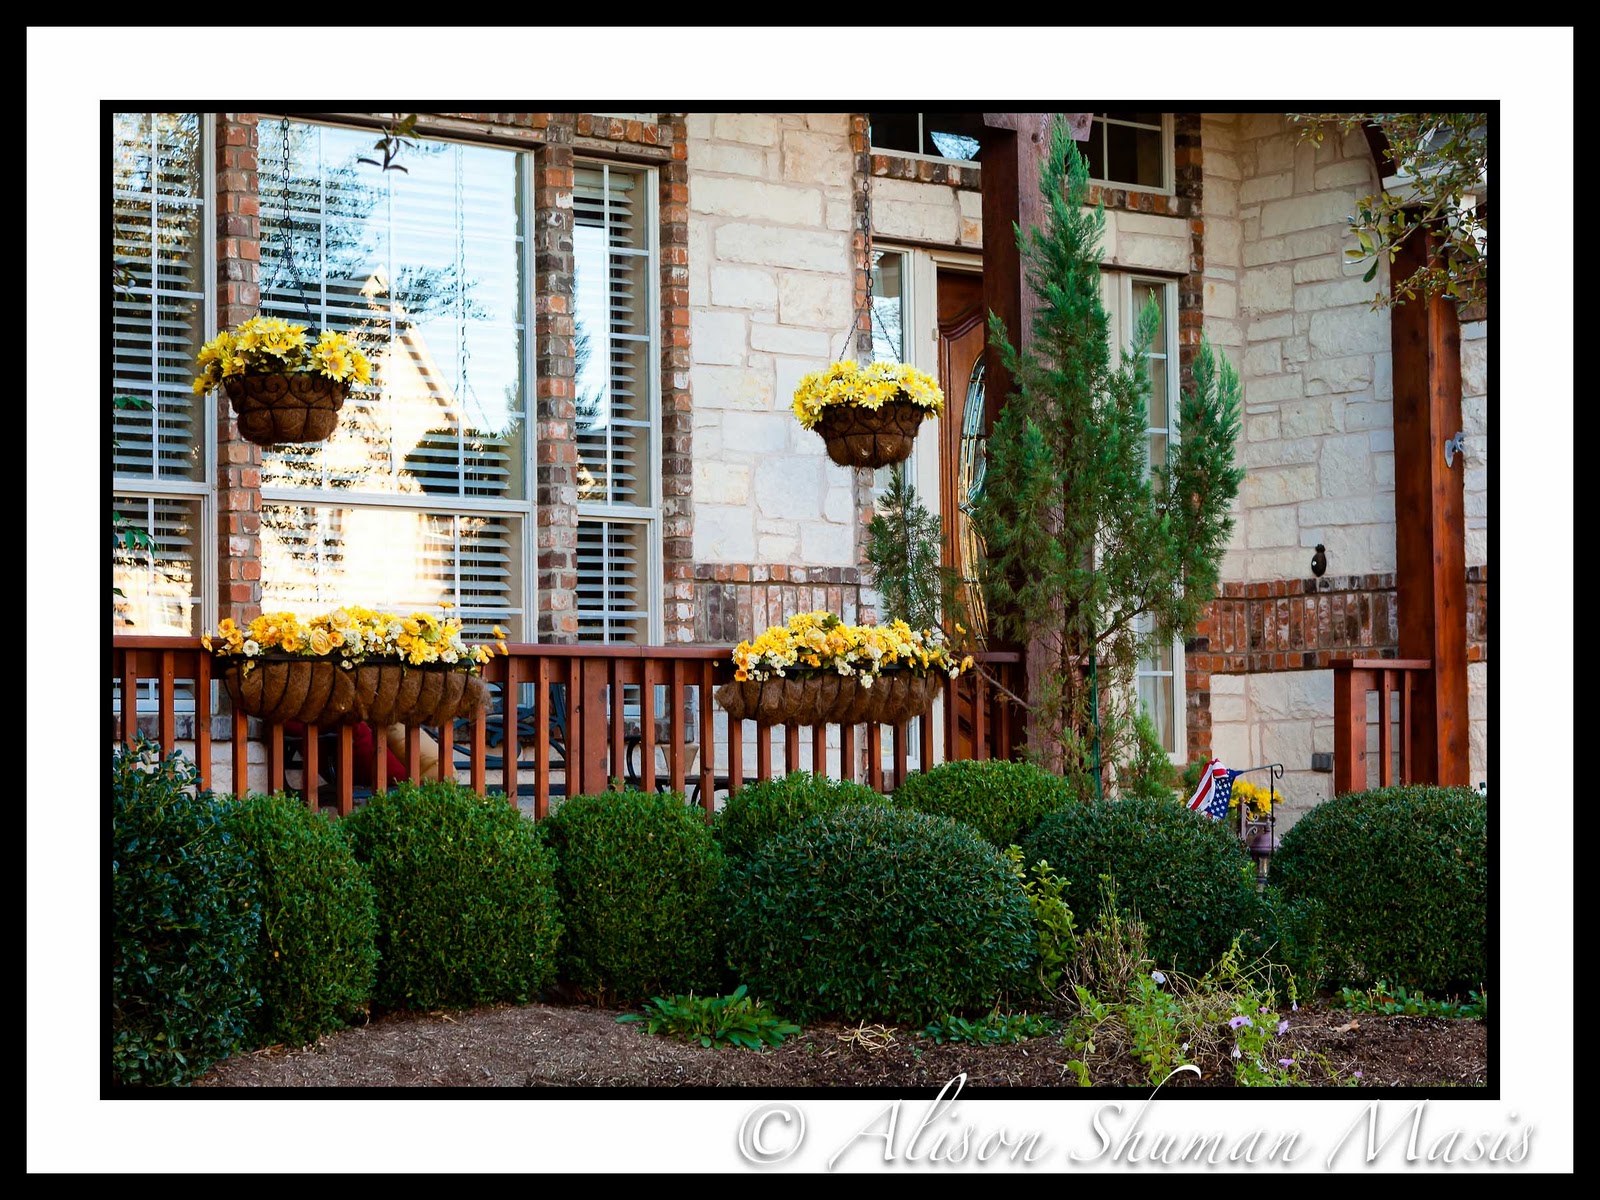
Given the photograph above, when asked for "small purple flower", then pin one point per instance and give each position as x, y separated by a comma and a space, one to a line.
1236, 1051
1283, 1027
1158, 976
1262, 1009
1358, 1075
1294, 1006
1235, 1022
1286, 1062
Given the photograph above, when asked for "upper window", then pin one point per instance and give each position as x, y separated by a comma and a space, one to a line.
1131, 149
617, 354
955, 136
160, 317
421, 496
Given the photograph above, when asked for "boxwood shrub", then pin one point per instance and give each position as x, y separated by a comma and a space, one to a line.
758, 811
184, 923
317, 955
1002, 800
1401, 877
638, 875
876, 913
1186, 876
466, 897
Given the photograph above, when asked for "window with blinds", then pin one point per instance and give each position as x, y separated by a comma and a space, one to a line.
616, 401
420, 495
160, 318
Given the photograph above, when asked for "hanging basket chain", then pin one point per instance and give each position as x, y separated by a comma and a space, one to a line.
866, 308
286, 238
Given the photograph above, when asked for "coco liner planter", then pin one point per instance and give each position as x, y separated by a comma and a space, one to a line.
894, 696
298, 407
319, 691
870, 437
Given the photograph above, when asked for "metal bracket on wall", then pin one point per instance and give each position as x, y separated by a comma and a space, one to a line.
1454, 446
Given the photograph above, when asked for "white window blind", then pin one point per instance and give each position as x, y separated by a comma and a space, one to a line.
158, 164
616, 402
427, 269
160, 585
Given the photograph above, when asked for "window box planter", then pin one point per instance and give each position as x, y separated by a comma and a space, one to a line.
894, 696
322, 691
300, 407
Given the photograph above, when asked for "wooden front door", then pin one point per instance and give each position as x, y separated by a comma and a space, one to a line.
962, 331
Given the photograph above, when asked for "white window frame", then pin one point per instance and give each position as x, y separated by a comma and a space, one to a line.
1168, 173
648, 515
158, 486
462, 505
1117, 290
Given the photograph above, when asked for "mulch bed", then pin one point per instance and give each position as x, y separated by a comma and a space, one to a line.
543, 1045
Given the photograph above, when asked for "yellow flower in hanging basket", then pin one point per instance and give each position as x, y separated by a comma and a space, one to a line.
870, 386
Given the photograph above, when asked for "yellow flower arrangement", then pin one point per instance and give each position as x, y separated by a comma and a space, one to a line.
815, 642
273, 346
354, 636
1258, 800
869, 386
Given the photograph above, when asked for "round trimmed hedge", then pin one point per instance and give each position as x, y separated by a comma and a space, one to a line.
1184, 875
871, 912
638, 874
1401, 878
1002, 800
184, 922
317, 955
759, 811
466, 897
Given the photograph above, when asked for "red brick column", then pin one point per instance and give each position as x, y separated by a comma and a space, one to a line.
238, 299
677, 401
861, 258
556, 465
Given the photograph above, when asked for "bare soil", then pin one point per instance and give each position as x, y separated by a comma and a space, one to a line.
571, 1046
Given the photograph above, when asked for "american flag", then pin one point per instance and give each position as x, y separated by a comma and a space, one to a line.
1214, 792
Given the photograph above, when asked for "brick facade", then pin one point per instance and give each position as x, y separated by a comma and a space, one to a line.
734, 601
677, 396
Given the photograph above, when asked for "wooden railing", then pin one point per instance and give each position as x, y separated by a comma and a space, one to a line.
1354, 681
573, 736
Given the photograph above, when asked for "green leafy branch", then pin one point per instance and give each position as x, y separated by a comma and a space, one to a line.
397, 136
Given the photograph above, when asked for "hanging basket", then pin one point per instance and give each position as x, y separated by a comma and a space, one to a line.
894, 696
870, 437
302, 406
319, 691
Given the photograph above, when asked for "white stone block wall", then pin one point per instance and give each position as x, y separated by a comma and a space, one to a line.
1280, 716
770, 290
1475, 424
937, 213
1295, 317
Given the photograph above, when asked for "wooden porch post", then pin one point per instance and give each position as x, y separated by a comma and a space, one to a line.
1430, 529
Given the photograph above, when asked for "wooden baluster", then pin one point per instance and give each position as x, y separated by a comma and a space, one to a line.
952, 719
576, 733
1385, 728
925, 738
1349, 730
541, 738
380, 760
130, 699
479, 751
675, 700
847, 753
309, 757
1002, 721
414, 753
1406, 680
763, 752
167, 704
241, 753
511, 723
735, 757
647, 726
274, 743
980, 717
202, 716
791, 748
819, 749
595, 778
708, 741
347, 770
875, 756
902, 736
447, 750
618, 738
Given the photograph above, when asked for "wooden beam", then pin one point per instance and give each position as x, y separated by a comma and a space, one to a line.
1013, 149
1430, 524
